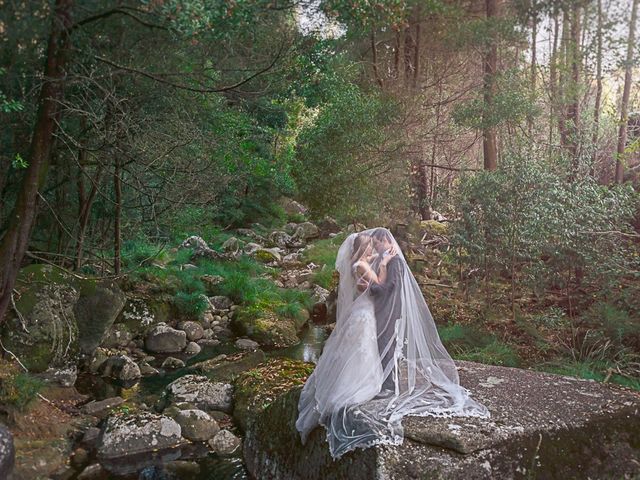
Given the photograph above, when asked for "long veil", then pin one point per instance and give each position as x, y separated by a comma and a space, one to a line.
417, 375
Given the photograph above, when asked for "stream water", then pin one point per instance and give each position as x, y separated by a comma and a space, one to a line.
150, 389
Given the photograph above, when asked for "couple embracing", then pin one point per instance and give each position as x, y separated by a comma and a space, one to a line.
384, 359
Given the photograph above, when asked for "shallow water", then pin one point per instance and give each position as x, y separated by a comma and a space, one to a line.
150, 389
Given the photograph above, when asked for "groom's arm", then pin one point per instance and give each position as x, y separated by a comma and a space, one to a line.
393, 279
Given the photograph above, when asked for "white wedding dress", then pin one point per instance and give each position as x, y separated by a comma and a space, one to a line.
349, 371
383, 361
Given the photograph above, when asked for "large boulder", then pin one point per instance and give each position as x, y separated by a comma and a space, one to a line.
193, 330
59, 315
201, 392
224, 368
120, 367
96, 311
224, 443
306, 231
7, 452
541, 425
46, 334
268, 328
196, 425
255, 389
164, 339
128, 435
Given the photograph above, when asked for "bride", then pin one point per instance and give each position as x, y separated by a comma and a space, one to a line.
384, 359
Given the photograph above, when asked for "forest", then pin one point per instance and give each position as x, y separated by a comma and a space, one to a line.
205, 159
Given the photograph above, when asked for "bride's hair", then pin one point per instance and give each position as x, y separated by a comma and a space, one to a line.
360, 244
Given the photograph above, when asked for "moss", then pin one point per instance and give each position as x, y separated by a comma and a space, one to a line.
256, 389
265, 256
432, 227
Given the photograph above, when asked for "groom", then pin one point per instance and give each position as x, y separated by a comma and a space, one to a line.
386, 299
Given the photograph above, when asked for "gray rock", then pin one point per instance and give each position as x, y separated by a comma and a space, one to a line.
146, 369
51, 335
63, 376
224, 442
328, 226
171, 363
164, 339
127, 435
200, 248
196, 425
231, 244
193, 330
293, 207
220, 302
541, 425
209, 342
97, 359
101, 408
90, 438
251, 248
118, 336
93, 472
247, 344
280, 239
202, 392
7, 452
96, 312
192, 348
120, 367
306, 231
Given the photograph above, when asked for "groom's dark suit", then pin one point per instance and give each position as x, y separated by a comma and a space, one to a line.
387, 304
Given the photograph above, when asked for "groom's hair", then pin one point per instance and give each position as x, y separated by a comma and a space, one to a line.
381, 234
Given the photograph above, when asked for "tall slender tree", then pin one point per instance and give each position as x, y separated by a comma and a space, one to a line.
15, 240
624, 104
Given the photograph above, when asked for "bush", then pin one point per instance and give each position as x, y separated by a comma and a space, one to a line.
190, 305
466, 342
17, 389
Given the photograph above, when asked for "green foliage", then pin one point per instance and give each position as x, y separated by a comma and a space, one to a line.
466, 342
190, 304
591, 370
621, 326
511, 103
527, 219
17, 389
323, 253
139, 251
336, 150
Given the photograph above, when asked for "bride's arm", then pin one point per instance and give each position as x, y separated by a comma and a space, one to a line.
367, 272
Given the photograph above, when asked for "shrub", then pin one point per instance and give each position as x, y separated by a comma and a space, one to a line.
17, 389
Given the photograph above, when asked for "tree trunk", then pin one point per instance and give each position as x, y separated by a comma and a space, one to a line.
374, 59
490, 66
596, 111
624, 105
117, 237
573, 107
16, 238
416, 51
408, 58
534, 39
85, 202
553, 75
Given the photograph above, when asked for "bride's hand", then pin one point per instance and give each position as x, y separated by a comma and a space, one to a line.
392, 253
